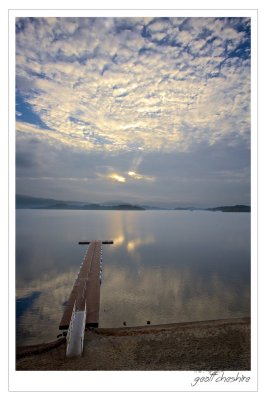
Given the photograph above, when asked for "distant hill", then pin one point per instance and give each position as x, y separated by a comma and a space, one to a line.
156, 208
127, 207
34, 202
28, 202
236, 208
188, 208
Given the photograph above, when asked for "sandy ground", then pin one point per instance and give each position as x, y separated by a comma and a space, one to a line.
208, 345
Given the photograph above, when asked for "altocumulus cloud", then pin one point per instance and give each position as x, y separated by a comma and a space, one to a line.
134, 109
123, 84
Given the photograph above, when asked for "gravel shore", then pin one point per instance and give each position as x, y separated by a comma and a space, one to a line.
207, 345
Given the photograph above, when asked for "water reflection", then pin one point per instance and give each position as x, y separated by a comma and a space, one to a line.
163, 267
118, 240
39, 320
169, 294
133, 244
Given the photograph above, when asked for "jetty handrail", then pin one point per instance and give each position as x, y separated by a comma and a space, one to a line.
83, 327
71, 323
76, 331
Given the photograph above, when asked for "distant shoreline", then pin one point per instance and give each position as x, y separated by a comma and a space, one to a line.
38, 203
126, 209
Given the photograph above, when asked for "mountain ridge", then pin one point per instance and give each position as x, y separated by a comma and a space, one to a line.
30, 202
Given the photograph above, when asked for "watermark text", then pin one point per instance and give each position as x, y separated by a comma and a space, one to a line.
220, 377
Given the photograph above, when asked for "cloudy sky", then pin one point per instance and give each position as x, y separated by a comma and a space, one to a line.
143, 110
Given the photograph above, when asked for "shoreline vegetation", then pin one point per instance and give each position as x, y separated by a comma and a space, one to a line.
27, 202
205, 345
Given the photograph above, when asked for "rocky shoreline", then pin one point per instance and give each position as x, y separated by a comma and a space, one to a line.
206, 345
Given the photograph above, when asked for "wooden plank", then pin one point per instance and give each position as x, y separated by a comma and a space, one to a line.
93, 288
86, 288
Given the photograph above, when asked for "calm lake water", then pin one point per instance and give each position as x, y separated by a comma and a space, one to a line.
164, 266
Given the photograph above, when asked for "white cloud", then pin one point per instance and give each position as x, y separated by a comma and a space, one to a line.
101, 83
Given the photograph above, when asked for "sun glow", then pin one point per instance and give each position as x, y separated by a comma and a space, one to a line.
135, 243
136, 176
133, 174
117, 178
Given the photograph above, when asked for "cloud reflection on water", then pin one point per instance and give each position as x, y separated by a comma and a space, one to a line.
164, 294
42, 319
163, 266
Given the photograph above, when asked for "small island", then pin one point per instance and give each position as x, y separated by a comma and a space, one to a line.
237, 208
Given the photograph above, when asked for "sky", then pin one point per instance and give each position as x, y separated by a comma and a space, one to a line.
139, 110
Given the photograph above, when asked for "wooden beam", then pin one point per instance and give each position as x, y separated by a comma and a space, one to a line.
103, 242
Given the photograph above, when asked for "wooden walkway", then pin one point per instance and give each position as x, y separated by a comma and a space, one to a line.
86, 288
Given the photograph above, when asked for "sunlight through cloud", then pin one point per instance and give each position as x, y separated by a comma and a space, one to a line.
136, 176
117, 178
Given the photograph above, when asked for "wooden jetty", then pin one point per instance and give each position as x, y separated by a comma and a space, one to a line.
85, 295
